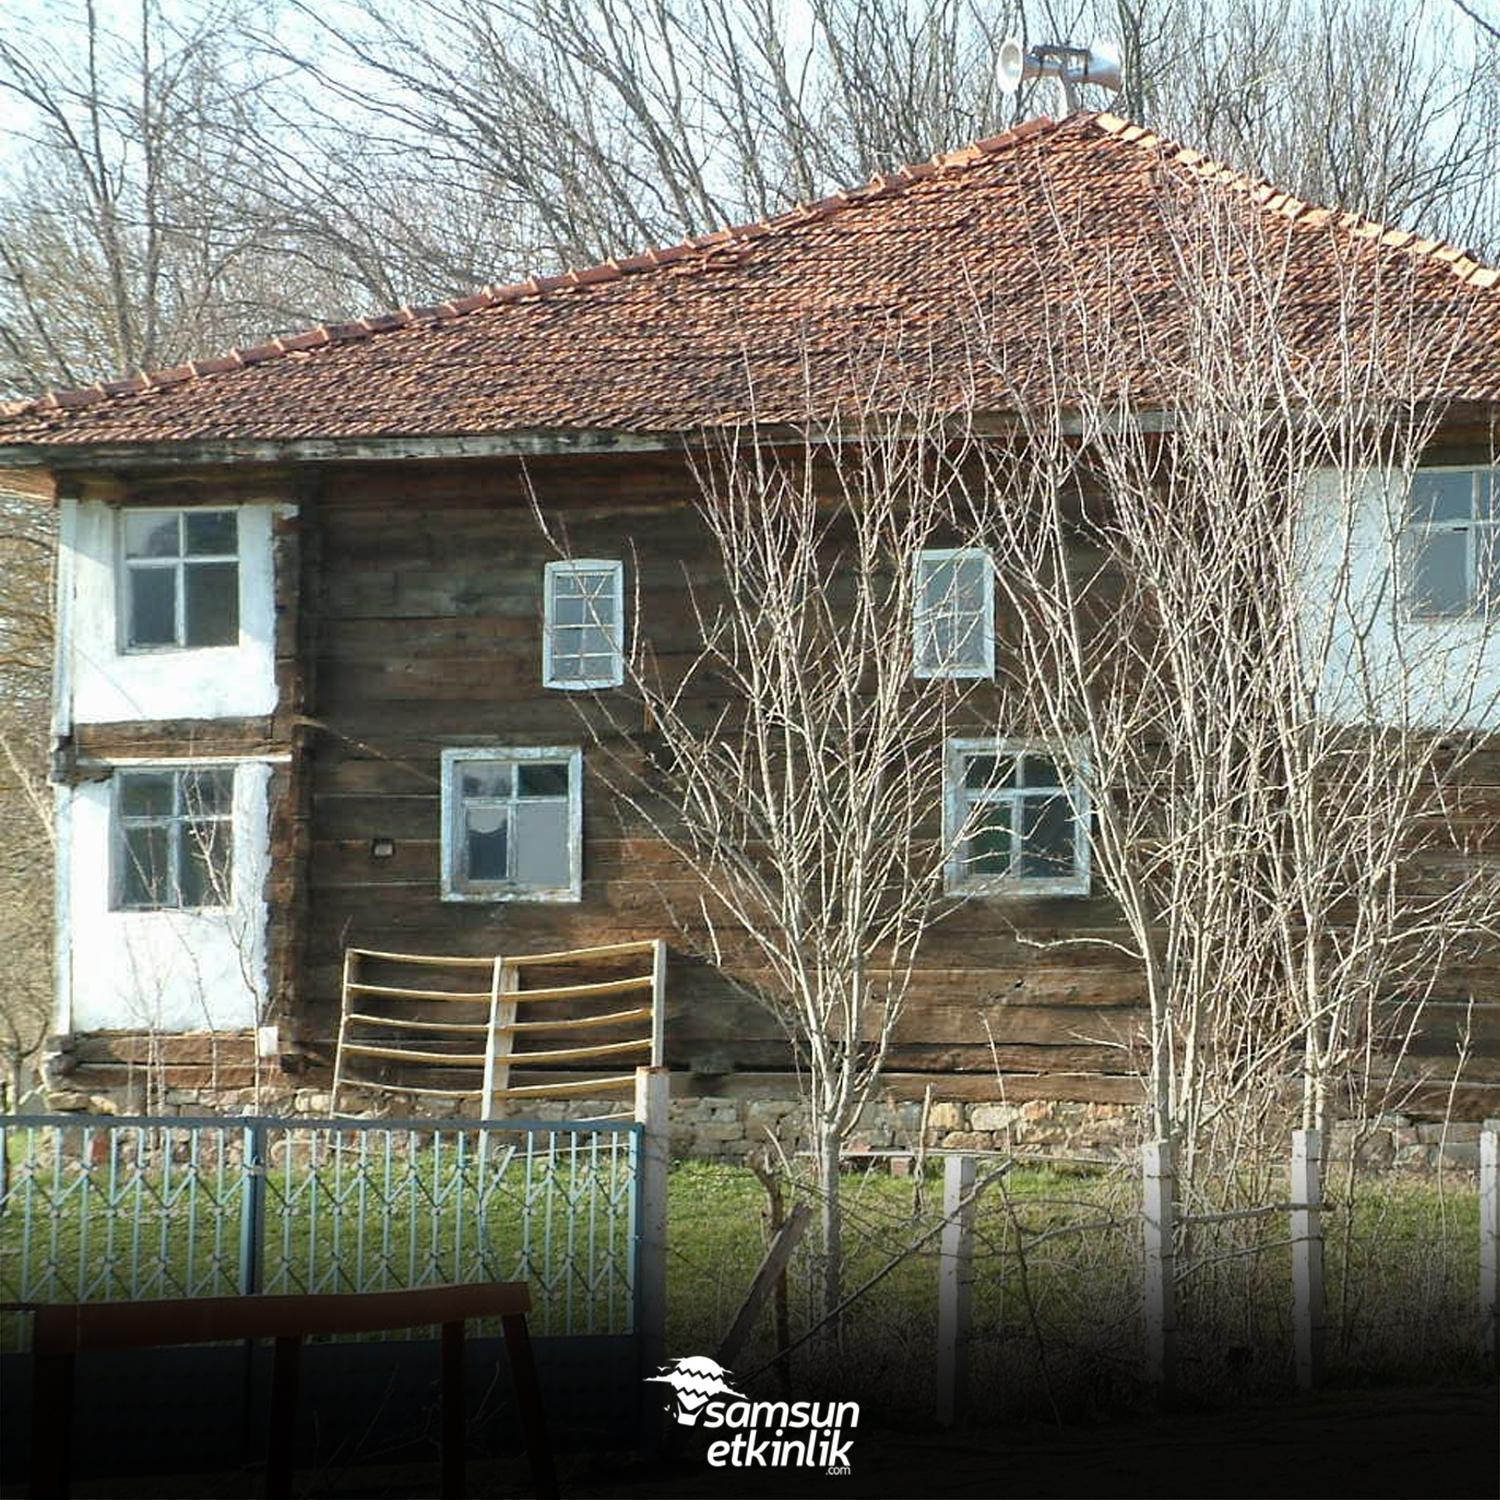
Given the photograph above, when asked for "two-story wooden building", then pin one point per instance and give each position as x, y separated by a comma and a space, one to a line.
318, 670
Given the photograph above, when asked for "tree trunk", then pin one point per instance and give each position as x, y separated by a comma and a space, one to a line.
833, 1225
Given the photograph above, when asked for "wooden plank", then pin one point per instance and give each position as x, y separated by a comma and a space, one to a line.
76, 1327
577, 1054
407, 1088
576, 1023
586, 991
472, 997
436, 960
1489, 1243
581, 955
653, 1090
1158, 1230
471, 1027
584, 1088
774, 1263
410, 1054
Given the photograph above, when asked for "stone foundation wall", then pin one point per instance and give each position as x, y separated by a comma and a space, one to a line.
730, 1129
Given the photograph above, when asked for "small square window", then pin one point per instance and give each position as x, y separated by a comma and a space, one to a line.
173, 838
1450, 543
954, 617
512, 825
1015, 821
584, 630
180, 579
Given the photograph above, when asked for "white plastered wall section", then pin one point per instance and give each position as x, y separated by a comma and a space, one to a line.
1375, 665
104, 685
166, 971
163, 970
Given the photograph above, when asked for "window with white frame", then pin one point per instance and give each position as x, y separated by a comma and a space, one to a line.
512, 824
180, 579
1451, 542
584, 630
955, 613
1016, 820
173, 838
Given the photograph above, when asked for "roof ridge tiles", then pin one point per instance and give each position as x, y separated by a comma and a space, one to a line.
704, 249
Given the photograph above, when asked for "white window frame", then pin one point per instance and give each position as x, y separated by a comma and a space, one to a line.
124, 566
1471, 528
453, 887
566, 567
921, 614
172, 822
958, 800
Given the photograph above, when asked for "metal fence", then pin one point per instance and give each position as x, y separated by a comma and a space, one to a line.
95, 1208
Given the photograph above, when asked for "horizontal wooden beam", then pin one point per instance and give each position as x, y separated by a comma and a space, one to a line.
401, 1024
434, 960
396, 992
574, 1023
584, 1088
583, 955
574, 1054
410, 1054
584, 991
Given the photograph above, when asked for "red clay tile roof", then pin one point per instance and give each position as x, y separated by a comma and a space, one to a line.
954, 274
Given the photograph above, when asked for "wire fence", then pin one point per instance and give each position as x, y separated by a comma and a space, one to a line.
97, 1208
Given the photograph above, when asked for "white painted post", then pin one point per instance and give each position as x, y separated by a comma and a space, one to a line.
1308, 1306
653, 1092
1489, 1241
1158, 1222
955, 1288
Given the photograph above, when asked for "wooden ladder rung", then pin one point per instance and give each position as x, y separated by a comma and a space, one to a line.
407, 1054
407, 1088
472, 997
432, 960
579, 955
611, 1018
477, 1028
571, 1054
559, 1090
584, 991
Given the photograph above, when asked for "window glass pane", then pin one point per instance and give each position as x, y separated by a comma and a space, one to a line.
210, 533
486, 778
213, 604
597, 668
145, 870
570, 610
1487, 501
1046, 838
598, 642
981, 771
485, 830
1487, 540
937, 584
1442, 497
1438, 565
1040, 770
542, 844
150, 535
988, 849
204, 862
542, 779
145, 794
152, 606
208, 792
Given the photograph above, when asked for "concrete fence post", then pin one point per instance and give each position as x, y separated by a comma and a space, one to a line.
955, 1288
1489, 1241
653, 1093
1308, 1305
1158, 1225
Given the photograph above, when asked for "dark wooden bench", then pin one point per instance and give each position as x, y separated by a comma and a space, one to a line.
64, 1330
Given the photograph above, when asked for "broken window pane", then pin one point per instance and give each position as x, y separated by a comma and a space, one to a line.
486, 778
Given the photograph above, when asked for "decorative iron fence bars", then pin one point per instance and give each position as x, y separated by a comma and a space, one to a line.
95, 1208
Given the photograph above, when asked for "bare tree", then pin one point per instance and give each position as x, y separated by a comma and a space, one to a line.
804, 799
1224, 614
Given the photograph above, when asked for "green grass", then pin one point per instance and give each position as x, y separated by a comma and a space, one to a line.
1056, 1291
